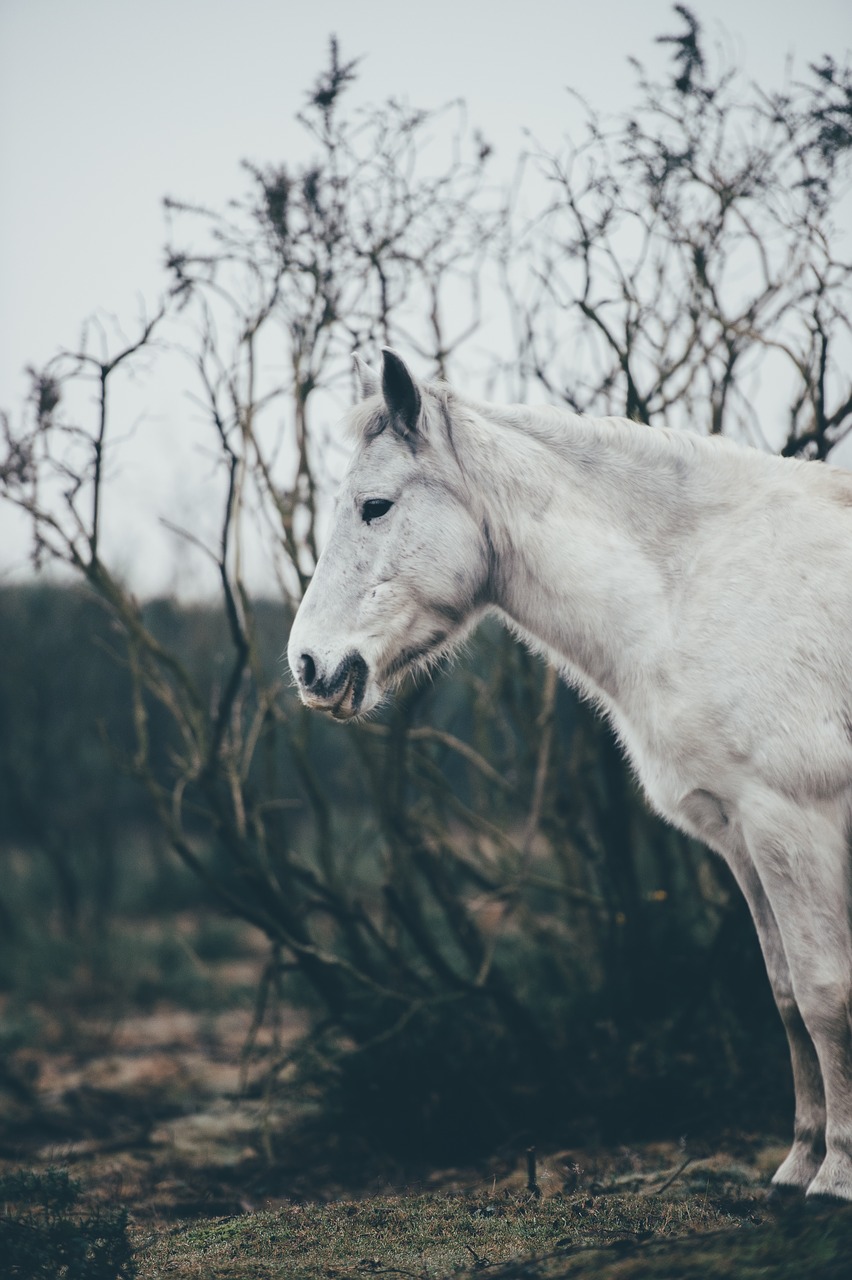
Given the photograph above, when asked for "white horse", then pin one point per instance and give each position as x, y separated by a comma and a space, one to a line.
699, 592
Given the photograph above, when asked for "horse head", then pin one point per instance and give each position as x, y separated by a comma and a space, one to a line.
404, 574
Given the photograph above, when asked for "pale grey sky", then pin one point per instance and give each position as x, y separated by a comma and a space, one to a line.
108, 105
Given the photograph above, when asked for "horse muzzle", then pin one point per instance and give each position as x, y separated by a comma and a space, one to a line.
338, 691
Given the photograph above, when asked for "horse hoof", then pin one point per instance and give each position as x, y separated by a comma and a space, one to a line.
781, 1196
823, 1202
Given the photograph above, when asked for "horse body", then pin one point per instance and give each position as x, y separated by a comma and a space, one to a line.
699, 592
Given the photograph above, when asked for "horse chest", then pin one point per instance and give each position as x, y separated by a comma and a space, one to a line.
691, 765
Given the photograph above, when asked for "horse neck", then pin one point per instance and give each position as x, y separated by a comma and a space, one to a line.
584, 527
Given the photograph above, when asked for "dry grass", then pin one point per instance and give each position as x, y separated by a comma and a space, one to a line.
511, 1236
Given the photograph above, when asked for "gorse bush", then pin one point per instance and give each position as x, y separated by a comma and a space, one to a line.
493, 931
48, 1233
494, 981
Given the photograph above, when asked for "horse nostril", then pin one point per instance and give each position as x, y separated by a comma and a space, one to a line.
307, 670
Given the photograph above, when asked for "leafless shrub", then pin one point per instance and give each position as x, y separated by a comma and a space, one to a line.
435, 874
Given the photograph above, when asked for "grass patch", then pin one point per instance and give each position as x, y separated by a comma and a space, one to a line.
434, 1236
800, 1244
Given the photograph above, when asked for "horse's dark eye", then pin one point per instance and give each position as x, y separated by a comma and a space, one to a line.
375, 507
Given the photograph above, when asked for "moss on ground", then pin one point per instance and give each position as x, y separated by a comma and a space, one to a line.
514, 1237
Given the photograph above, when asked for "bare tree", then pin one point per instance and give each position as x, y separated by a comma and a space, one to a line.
425, 874
688, 258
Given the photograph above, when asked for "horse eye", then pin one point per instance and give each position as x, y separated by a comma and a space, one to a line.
375, 507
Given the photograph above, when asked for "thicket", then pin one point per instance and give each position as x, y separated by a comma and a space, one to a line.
495, 934
48, 1232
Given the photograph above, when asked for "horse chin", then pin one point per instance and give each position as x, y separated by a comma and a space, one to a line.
355, 702
372, 697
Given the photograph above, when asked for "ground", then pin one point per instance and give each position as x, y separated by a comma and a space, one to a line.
153, 1108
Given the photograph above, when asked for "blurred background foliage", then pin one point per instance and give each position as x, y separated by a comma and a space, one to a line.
472, 976
493, 935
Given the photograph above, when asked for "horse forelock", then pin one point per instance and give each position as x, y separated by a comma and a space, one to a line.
367, 420
440, 410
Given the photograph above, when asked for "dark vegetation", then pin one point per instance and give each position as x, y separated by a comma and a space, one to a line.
492, 939
46, 1232
564, 989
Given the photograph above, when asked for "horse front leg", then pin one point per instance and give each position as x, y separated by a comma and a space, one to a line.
802, 861
703, 815
806, 1155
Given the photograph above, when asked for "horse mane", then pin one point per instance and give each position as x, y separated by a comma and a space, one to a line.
580, 438
576, 437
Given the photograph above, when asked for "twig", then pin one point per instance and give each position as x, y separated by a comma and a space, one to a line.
545, 727
668, 1182
532, 1182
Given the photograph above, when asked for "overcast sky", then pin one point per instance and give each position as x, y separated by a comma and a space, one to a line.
108, 105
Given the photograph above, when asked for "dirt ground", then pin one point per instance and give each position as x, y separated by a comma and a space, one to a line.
157, 1109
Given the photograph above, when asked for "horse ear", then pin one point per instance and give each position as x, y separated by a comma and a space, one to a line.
401, 392
370, 385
